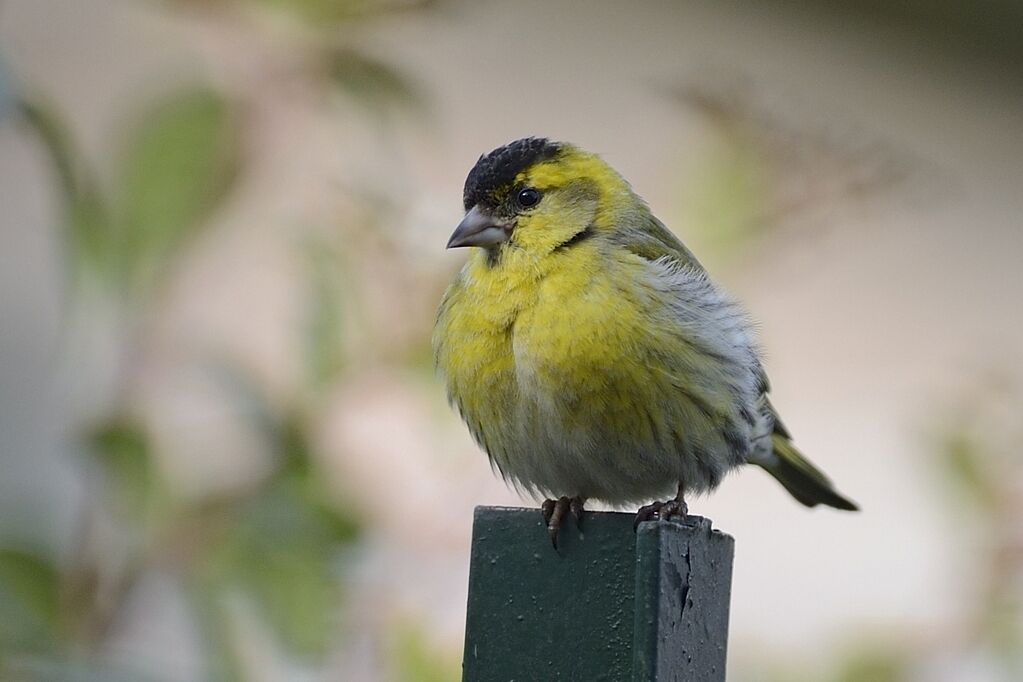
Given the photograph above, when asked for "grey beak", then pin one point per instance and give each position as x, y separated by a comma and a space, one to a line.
479, 228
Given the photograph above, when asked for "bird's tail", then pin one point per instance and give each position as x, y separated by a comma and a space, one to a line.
807, 483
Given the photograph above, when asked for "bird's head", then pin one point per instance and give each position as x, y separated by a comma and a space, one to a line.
538, 195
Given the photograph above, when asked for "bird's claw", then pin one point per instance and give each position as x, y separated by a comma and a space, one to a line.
554, 511
575, 506
661, 510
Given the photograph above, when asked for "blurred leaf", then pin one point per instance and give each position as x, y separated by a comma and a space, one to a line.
123, 451
214, 624
282, 553
965, 464
1001, 616
179, 163
370, 82
320, 12
284, 541
873, 664
726, 198
249, 398
28, 600
416, 661
284, 433
293, 447
283, 549
88, 228
324, 326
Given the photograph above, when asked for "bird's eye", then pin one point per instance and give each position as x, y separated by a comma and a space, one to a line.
528, 197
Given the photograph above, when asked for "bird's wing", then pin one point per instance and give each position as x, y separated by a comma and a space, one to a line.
647, 237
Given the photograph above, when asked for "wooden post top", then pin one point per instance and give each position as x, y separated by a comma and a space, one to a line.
608, 604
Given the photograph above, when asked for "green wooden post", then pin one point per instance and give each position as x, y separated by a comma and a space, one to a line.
609, 604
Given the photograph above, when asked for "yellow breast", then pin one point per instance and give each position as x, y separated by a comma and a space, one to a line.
557, 346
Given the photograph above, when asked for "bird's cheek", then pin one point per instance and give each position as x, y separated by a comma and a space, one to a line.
527, 232
540, 238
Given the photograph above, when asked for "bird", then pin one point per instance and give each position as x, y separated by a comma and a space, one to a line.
589, 352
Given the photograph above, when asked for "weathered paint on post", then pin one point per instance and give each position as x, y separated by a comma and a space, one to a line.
683, 586
609, 604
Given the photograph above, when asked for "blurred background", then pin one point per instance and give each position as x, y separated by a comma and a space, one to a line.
223, 452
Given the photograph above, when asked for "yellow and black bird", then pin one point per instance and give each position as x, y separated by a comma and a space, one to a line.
590, 354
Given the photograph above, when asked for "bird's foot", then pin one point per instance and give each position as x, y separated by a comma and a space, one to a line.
554, 512
661, 510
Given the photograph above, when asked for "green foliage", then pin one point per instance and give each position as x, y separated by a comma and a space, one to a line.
866, 660
976, 440
370, 82
177, 166
874, 664
28, 601
324, 342
966, 467
279, 543
178, 163
320, 12
727, 198
282, 542
281, 550
122, 450
281, 554
416, 661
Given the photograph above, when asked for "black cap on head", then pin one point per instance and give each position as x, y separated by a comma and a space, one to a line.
498, 169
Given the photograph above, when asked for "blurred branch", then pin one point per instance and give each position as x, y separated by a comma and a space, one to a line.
983, 30
320, 13
805, 167
976, 437
324, 327
346, 11
369, 81
86, 216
